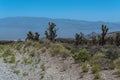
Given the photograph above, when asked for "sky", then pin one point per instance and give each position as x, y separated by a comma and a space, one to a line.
90, 10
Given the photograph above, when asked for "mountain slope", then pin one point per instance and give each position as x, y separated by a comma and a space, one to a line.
17, 27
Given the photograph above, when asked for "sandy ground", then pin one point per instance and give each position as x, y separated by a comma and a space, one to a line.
55, 68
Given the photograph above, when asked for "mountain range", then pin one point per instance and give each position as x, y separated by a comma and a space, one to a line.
13, 28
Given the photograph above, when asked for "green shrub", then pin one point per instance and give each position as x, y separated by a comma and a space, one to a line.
43, 50
32, 53
95, 68
25, 74
16, 71
85, 68
42, 74
28, 44
8, 56
58, 48
36, 44
100, 60
7, 53
117, 63
83, 56
112, 53
97, 75
12, 59
42, 66
27, 60
18, 47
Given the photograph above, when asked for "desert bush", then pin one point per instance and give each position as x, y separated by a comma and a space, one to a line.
95, 69
42, 74
32, 53
42, 66
43, 50
12, 59
112, 53
25, 74
46, 43
83, 56
100, 60
28, 44
16, 71
18, 47
8, 56
37, 44
2, 47
27, 60
58, 49
97, 75
117, 63
85, 68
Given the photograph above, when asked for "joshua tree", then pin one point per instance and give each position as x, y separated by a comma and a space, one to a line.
51, 32
30, 36
104, 32
117, 41
78, 38
36, 36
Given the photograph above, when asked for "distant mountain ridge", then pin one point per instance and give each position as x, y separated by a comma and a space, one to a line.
13, 28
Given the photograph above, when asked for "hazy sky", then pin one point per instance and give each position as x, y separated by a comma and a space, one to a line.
91, 10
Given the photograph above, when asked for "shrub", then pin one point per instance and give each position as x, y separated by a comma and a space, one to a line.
112, 53
28, 44
16, 71
7, 53
18, 47
83, 55
97, 75
117, 63
42, 66
85, 68
42, 74
95, 68
27, 60
32, 53
8, 56
58, 48
43, 50
12, 59
25, 74
100, 60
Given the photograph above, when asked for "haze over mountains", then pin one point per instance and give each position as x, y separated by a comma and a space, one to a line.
13, 28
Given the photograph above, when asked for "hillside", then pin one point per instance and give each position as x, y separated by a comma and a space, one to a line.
13, 28
53, 61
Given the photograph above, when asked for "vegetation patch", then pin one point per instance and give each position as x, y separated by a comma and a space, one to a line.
83, 56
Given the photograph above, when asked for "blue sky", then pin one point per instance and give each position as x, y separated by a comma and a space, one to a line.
90, 10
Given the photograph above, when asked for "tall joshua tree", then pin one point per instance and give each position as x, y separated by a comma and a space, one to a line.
104, 32
51, 32
78, 38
